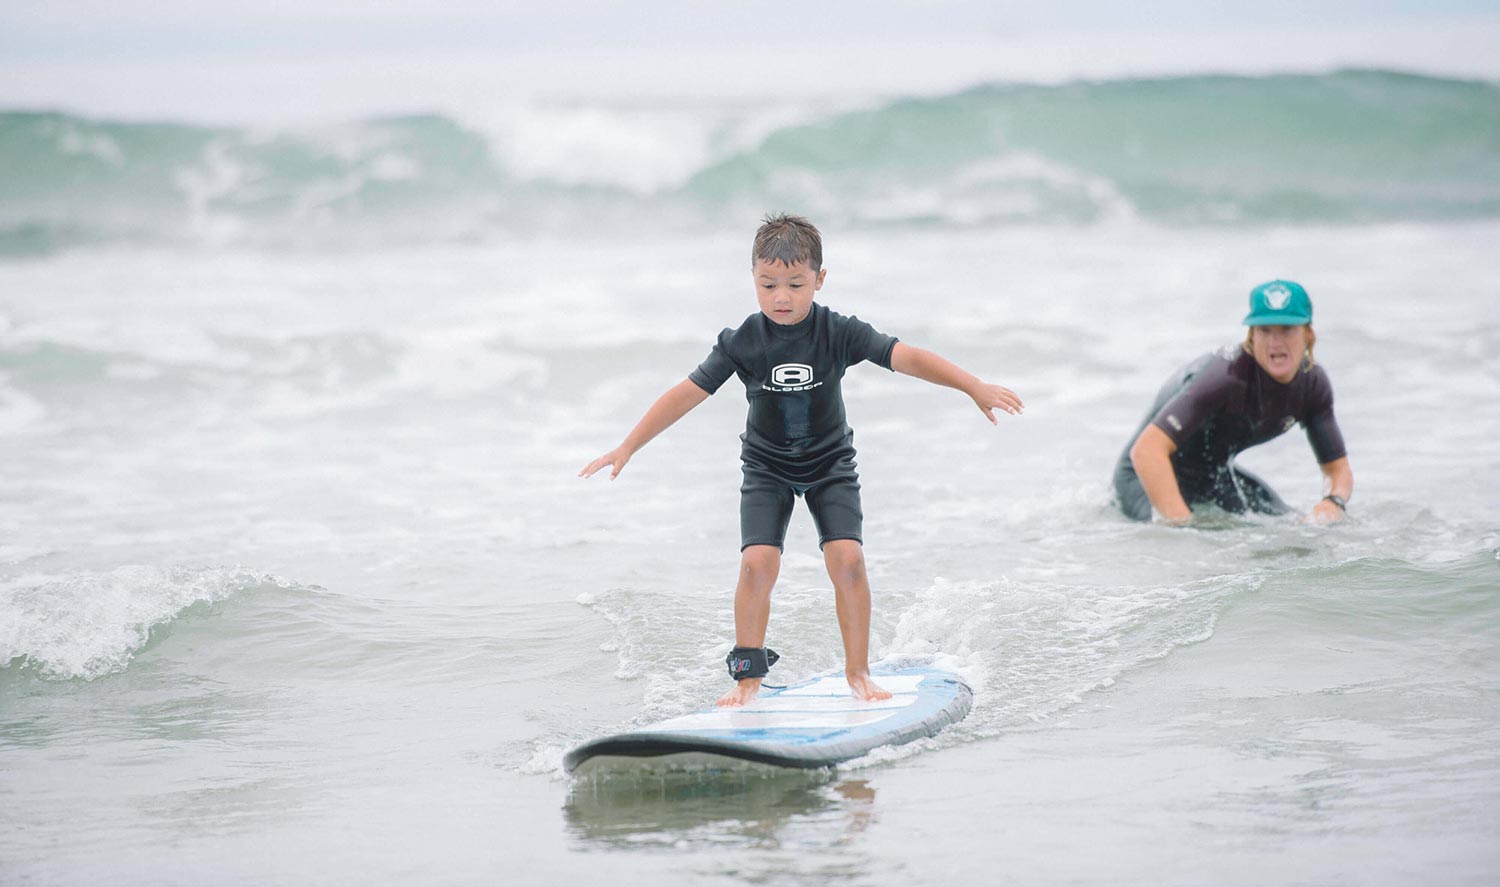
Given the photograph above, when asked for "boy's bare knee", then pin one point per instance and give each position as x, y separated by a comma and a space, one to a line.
760, 559
845, 560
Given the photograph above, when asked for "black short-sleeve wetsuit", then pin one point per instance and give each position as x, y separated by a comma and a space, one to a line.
1215, 407
797, 441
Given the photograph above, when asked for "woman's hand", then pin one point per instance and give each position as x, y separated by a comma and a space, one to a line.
1338, 480
1325, 512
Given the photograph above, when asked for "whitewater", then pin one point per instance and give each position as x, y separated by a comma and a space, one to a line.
298, 582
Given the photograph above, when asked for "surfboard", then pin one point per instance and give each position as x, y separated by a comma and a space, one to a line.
815, 723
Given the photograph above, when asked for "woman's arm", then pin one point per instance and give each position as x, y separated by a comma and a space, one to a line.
1338, 480
1151, 454
670, 407
938, 370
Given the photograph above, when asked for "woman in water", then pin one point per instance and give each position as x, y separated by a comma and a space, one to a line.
1227, 401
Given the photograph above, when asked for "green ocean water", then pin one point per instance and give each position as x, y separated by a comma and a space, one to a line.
297, 581
1345, 147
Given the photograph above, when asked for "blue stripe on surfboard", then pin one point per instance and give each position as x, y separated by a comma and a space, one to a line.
941, 699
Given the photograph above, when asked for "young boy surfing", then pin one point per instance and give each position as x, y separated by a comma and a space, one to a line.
791, 356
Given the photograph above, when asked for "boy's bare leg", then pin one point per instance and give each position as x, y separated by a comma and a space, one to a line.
759, 567
845, 559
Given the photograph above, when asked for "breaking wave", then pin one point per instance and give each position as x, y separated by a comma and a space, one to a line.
1347, 147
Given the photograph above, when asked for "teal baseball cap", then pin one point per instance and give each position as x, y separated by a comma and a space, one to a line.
1279, 303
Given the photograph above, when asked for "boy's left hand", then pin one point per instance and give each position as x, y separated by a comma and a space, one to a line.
996, 397
616, 458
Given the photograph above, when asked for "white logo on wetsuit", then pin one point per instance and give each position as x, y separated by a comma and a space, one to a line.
792, 377
1172, 420
792, 374
1277, 296
1287, 424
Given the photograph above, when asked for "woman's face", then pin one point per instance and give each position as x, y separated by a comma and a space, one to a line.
1278, 350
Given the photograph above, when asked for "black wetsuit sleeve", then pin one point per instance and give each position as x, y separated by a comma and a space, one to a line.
715, 369
864, 342
1204, 396
1322, 428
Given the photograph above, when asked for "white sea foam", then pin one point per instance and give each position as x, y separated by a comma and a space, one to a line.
97, 145
87, 625
18, 411
643, 149
202, 407
546, 760
643, 152
217, 176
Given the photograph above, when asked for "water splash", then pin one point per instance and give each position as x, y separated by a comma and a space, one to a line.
89, 625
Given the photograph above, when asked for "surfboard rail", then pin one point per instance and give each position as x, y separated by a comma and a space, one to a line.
808, 725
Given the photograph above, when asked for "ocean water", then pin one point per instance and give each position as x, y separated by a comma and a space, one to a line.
298, 584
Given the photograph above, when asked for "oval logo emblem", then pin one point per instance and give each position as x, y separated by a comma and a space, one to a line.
792, 374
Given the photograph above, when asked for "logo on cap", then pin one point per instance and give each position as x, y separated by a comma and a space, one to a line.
1277, 296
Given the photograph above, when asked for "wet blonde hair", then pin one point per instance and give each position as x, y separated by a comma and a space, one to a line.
1307, 353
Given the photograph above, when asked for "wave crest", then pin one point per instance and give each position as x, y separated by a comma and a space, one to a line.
1345, 147
93, 624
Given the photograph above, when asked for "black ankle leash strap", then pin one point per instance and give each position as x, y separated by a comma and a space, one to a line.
750, 662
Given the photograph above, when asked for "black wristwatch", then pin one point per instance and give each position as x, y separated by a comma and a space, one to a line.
1337, 500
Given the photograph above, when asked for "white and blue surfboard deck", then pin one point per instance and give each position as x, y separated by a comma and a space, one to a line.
812, 724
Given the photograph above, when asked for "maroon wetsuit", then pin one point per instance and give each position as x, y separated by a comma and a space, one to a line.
1215, 407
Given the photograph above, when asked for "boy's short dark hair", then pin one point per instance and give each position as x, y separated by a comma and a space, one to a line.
788, 239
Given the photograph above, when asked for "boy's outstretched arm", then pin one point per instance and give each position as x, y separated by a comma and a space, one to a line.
670, 407
939, 370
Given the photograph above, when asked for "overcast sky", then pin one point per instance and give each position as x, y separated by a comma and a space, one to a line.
254, 59
95, 29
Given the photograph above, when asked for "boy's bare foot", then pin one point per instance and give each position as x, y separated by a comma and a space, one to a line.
743, 692
861, 686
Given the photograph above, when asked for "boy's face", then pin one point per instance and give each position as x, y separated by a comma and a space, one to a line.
785, 292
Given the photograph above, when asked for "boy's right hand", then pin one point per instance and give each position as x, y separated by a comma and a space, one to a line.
616, 457
990, 397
